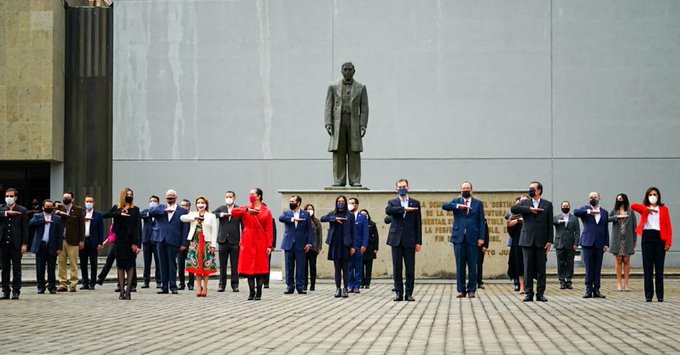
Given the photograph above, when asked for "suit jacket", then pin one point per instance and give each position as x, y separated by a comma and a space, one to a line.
56, 233
347, 227
373, 241
296, 236
230, 228
406, 228
358, 118
16, 226
594, 234
74, 225
173, 231
566, 235
537, 229
209, 227
664, 222
149, 229
96, 237
360, 231
468, 227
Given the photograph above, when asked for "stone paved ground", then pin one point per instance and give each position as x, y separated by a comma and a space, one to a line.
369, 323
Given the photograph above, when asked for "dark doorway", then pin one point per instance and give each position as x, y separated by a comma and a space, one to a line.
31, 179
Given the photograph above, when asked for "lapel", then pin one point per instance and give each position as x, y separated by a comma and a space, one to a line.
338, 88
355, 91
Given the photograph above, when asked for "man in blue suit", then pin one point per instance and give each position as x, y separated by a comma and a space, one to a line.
94, 237
297, 240
360, 243
405, 238
171, 238
594, 242
47, 244
467, 236
149, 247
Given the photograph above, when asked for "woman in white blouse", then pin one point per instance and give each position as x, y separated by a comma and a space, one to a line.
202, 238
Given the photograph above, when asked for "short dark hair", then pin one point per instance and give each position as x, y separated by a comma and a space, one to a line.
566, 202
539, 186
347, 63
230, 192
297, 198
46, 201
646, 200
11, 189
70, 193
355, 200
400, 180
154, 196
187, 201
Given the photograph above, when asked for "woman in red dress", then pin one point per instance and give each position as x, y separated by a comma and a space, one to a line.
256, 241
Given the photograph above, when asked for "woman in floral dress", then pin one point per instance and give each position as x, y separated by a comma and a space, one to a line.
202, 243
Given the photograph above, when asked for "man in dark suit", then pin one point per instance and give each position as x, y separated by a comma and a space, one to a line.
567, 230
405, 238
149, 246
47, 244
73, 222
360, 243
467, 235
94, 237
182, 258
268, 276
536, 238
171, 238
13, 241
297, 240
228, 240
594, 242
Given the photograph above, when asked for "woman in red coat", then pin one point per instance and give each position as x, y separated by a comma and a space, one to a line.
657, 237
256, 241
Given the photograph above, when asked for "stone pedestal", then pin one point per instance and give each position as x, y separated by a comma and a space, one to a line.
436, 259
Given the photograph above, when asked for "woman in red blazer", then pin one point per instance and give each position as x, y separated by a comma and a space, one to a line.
657, 236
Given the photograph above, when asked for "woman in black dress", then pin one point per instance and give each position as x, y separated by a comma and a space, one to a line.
339, 240
516, 259
371, 250
127, 227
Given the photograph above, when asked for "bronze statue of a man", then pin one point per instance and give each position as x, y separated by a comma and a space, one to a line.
346, 118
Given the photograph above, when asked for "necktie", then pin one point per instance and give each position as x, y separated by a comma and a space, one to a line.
467, 210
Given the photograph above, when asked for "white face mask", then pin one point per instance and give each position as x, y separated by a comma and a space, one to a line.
350, 207
229, 201
200, 206
652, 199
311, 212
89, 206
9, 201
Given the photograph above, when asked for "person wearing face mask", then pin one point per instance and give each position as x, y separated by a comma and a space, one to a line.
256, 242
311, 256
94, 237
35, 208
202, 244
656, 231
297, 241
74, 241
171, 239
536, 239
405, 238
149, 245
339, 239
567, 232
623, 239
594, 242
47, 244
228, 239
13, 242
360, 243
468, 233
516, 259
127, 224
371, 251
182, 258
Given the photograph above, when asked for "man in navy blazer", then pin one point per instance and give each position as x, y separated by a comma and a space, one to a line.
594, 242
297, 240
360, 243
48, 241
171, 238
467, 235
405, 238
149, 245
13, 242
94, 237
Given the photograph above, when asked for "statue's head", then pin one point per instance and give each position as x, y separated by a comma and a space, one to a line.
348, 71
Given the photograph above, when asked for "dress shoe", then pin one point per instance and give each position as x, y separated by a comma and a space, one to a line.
344, 293
159, 286
480, 286
181, 287
311, 288
302, 292
162, 291
190, 287
5, 296
53, 292
221, 289
146, 285
351, 290
100, 282
251, 295
398, 297
266, 286
234, 289
121, 296
258, 295
597, 294
528, 298
41, 291
62, 289
588, 294
15, 296
648, 300
367, 287
460, 295
569, 286
516, 288
84, 287
660, 299
471, 295
91, 287
409, 298
394, 289
541, 298
338, 293
563, 287
174, 292
288, 292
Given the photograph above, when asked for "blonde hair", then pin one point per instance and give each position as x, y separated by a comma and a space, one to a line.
121, 198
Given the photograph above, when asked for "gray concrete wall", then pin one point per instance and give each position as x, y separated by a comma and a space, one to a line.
224, 94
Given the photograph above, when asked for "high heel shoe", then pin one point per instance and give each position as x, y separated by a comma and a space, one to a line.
127, 295
204, 293
251, 296
121, 296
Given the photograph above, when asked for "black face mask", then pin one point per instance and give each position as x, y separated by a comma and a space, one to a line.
293, 206
565, 209
618, 204
466, 194
128, 199
171, 200
49, 210
67, 201
593, 202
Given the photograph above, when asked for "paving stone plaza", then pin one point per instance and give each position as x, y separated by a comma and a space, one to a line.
497, 321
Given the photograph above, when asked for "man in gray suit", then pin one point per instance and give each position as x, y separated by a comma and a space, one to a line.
567, 231
346, 118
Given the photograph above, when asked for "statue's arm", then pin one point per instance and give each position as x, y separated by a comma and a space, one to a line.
328, 112
364, 108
